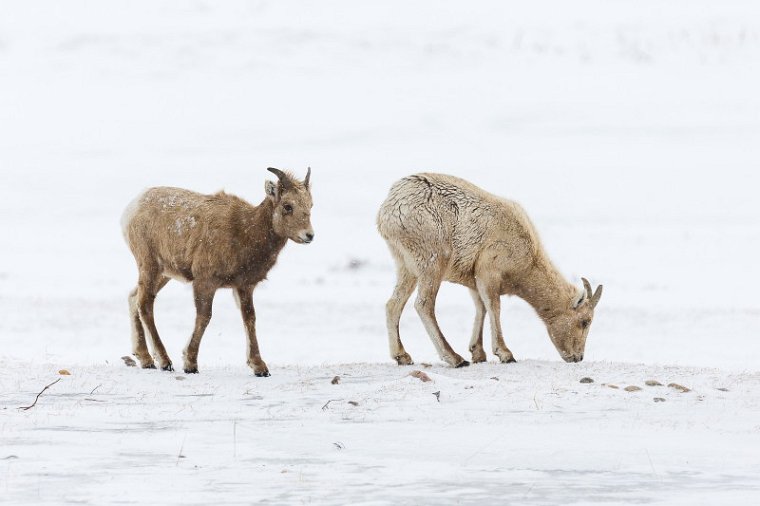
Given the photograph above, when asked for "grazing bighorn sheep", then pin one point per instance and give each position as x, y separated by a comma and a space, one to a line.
440, 227
212, 241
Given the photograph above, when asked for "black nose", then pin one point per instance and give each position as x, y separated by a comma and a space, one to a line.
309, 237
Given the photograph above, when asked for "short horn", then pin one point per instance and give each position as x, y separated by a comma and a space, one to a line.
587, 286
308, 176
597, 295
284, 179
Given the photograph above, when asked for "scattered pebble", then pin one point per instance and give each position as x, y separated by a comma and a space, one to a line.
609, 385
179, 378
632, 388
420, 376
587, 380
653, 383
722, 389
495, 378
659, 399
335, 380
128, 361
353, 403
64, 372
426, 365
680, 388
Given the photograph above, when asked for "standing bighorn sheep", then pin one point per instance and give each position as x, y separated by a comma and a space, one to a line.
440, 228
212, 241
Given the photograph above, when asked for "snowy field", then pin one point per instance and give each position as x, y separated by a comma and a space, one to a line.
629, 130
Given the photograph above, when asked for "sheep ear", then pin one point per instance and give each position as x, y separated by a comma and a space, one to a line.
579, 299
597, 296
271, 190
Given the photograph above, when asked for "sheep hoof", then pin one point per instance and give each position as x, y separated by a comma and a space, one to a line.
168, 367
463, 363
149, 366
509, 360
191, 370
404, 359
263, 374
478, 356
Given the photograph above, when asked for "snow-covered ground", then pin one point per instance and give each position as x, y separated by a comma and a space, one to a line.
629, 130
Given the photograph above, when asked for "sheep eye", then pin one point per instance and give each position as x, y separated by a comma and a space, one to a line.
288, 208
585, 323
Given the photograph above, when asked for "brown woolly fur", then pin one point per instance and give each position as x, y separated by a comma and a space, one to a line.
442, 228
212, 241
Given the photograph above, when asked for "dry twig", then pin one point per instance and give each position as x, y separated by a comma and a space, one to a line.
24, 408
324, 408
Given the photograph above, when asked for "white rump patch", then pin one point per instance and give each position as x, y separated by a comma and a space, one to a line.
129, 213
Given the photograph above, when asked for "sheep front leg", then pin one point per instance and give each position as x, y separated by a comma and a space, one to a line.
244, 298
492, 300
204, 299
476, 342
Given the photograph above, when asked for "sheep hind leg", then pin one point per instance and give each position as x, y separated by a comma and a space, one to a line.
404, 287
147, 288
476, 342
139, 346
427, 291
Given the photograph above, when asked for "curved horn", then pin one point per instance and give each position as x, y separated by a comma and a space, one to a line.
587, 286
306, 180
597, 295
284, 179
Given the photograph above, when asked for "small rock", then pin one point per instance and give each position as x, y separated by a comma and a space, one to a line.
678, 387
426, 365
609, 385
179, 378
353, 403
659, 399
653, 383
128, 361
335, 380
420, 376
64, 372
632, 388
722, 389
495, 378
587, 380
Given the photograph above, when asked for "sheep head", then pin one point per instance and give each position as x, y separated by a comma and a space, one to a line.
292, 206
569, 329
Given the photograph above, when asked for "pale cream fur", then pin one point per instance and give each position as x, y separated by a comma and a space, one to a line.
443, 228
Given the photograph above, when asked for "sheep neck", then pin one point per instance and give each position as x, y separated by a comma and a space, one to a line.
546, 290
